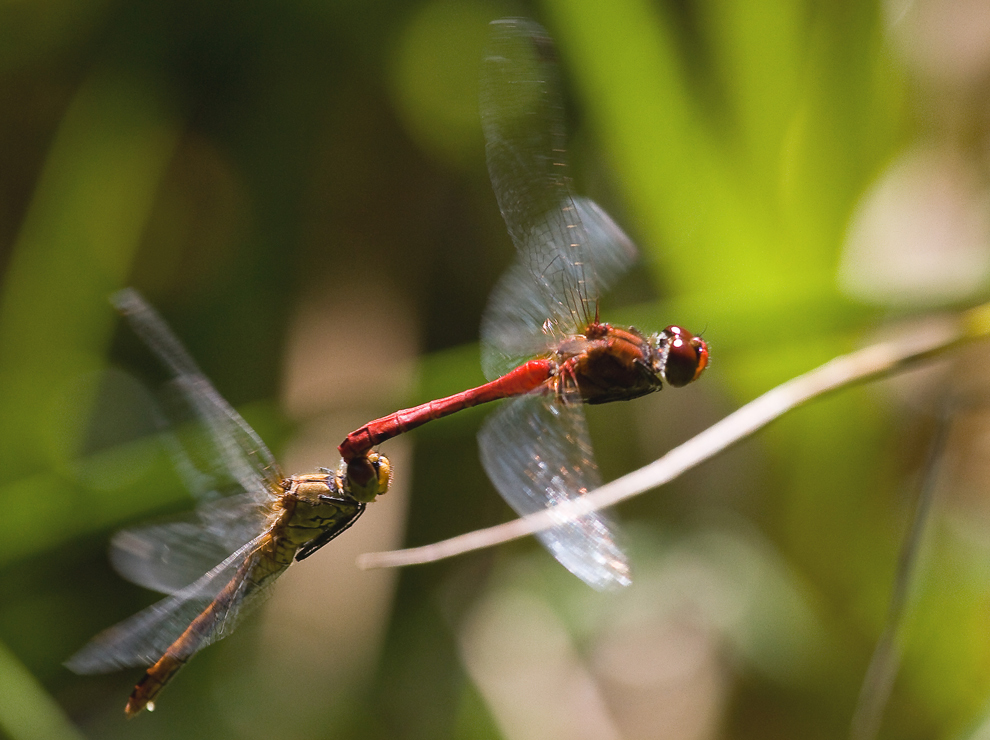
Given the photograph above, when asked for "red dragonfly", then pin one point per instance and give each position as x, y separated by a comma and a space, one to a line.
536, 449
252, 522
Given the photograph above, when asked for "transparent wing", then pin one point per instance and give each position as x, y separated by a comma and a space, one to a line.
169, 556
227, 448
537, 453
520, 321
569, 247
143, 638
514, 327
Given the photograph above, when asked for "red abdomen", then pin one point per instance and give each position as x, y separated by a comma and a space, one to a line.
523, 379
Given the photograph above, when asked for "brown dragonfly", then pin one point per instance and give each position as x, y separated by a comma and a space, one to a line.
223, 560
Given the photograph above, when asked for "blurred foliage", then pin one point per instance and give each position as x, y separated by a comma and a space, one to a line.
239, 163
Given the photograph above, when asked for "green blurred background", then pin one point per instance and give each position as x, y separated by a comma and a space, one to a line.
300, 188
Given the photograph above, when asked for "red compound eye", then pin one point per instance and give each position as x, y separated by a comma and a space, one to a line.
687, 356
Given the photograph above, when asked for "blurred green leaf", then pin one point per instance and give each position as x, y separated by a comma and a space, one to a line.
75, 248
27, 712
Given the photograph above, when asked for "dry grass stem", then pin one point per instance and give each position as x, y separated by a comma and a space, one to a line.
870, 362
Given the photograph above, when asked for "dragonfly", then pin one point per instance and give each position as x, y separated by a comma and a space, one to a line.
543, 344
220, 562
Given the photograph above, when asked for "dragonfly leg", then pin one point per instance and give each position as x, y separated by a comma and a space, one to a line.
329, 534
566, 386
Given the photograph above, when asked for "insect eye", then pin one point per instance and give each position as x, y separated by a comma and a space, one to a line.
368, 476
687, 356
383, 471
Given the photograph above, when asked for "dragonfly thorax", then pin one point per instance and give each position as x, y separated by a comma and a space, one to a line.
606, 364
310, 487
315, 509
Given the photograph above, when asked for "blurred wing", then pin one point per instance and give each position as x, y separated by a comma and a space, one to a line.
571, 249
143, 638
611, 251
514, 327
537, 453
520, 323
168, 557
232, 449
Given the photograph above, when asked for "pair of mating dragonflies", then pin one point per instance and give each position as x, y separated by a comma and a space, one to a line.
543, 346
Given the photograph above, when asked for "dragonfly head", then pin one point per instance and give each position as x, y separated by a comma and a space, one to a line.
681, 356
368, 476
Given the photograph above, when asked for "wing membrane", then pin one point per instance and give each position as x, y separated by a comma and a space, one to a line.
169, 556
236, 450
569, 249
522, 321
143, 638
537, 453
